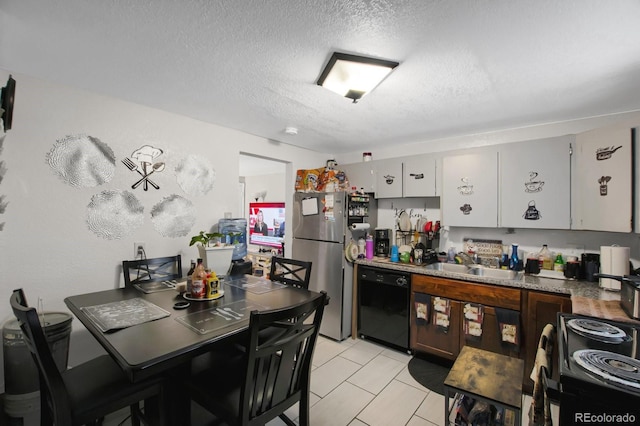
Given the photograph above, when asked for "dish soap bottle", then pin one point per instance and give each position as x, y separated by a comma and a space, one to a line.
558, 265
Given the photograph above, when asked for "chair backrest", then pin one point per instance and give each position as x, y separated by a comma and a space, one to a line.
240, 268
53, 392
279, 365
150, 270
292, 272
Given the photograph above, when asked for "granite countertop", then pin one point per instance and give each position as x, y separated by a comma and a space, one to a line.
578, 288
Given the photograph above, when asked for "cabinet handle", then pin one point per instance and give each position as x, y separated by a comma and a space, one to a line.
417, 175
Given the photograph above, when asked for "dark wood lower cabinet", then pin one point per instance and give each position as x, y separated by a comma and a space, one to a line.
430, 338
542, 309
491, 340
536, 310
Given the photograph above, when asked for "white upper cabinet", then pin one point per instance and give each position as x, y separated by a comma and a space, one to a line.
603, 187
389, 178
360, 175
470, 190
535, 184
419, 176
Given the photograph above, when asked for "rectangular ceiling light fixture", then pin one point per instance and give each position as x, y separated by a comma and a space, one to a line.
354, 76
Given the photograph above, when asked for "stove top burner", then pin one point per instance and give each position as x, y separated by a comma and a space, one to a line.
598, 330
617, 369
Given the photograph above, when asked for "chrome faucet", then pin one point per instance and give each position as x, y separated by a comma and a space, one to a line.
468, 259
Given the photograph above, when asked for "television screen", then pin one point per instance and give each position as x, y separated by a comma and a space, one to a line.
266, 224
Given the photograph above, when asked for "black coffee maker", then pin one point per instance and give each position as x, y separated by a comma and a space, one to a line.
590, 265
382, 242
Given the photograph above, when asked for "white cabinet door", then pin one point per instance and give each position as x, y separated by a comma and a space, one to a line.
535, 184
389, 178
603, 180
470, 190
360, 175
419, 176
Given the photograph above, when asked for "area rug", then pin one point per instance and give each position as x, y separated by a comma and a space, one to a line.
430, 372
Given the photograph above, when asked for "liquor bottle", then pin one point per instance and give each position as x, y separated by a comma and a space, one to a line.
198, 281
558, 264
190, 274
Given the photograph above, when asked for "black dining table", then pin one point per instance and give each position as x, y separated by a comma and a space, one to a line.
155, 346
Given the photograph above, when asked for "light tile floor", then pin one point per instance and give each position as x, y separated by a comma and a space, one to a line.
360, 383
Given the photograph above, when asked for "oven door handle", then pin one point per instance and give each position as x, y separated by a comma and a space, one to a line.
550, 386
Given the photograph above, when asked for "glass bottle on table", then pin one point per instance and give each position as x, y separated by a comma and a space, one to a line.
199, 281
192, 268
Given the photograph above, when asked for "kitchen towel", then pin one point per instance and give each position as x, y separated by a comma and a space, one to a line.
441, 313
614, 260
473, 319
540, 410
422, 302
509, 328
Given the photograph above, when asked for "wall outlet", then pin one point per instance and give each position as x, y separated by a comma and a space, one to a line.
139, 250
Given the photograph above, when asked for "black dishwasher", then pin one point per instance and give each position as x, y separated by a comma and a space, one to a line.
383, 306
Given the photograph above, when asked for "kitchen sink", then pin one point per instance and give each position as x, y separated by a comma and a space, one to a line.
449, 267
477, 270
482, 271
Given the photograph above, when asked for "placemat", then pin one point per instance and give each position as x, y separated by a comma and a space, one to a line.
253, 284
123, 314
607, 309
156, 286
222, 316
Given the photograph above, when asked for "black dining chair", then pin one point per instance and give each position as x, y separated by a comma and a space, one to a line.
296, 273
151, 270
272, 374
88, 392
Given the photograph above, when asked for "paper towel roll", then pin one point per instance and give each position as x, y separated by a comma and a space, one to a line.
614, 260
360, 226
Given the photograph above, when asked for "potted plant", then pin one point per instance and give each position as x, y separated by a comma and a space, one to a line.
206, 239
216, 255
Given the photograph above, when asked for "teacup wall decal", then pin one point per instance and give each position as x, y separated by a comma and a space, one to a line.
465, 188
533, 185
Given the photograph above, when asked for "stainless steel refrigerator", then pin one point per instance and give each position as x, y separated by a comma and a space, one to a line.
319, 234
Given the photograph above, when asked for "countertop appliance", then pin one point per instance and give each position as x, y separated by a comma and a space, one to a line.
382, 236
599, 370
320, 229
383, 306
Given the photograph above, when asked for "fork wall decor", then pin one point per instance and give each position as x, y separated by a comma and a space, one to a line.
143, 161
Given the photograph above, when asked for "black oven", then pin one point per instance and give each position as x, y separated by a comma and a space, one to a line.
383, 306
599, 368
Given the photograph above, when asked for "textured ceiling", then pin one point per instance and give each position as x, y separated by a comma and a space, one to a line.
465, 66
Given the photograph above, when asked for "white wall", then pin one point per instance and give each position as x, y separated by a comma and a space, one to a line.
46, 246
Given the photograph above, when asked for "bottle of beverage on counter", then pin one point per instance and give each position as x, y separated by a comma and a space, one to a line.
514, 260
190, 275
544, 258
369, 247
199, 281
558, 264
